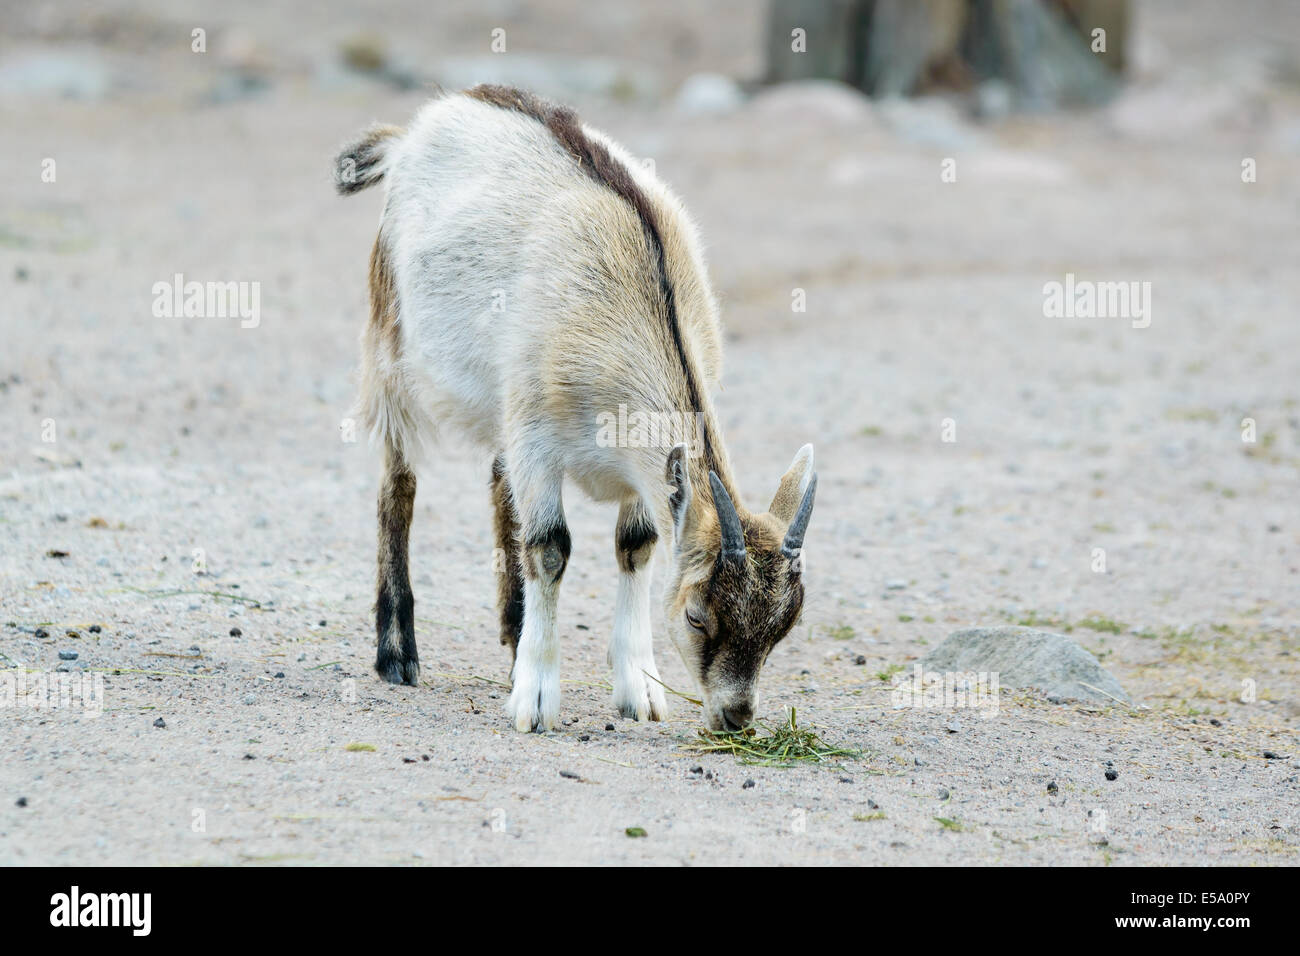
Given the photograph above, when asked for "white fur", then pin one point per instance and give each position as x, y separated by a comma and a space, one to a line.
637, 691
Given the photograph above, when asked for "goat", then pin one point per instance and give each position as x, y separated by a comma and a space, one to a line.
529, 278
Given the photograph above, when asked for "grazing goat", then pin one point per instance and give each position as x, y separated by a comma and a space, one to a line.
531, 281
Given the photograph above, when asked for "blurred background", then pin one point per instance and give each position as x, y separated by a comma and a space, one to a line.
884, 188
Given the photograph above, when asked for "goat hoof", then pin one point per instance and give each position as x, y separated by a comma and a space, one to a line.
640, 699
534, 702
398, 670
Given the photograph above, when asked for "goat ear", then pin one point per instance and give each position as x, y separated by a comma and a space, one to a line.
794, 483
679, 488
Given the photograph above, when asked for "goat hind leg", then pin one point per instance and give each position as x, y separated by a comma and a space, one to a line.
396, 659
510, 574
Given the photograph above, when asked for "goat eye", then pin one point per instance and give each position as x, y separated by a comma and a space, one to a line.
694, 622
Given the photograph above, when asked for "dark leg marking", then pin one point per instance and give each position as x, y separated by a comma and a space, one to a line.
635, 537
510, 573
547, 551
396, 660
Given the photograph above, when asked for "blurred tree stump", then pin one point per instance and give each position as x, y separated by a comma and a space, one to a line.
1048, 52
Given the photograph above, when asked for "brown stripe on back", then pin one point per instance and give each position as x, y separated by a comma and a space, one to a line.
596, 161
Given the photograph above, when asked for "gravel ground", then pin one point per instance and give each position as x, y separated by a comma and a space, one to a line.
200, 533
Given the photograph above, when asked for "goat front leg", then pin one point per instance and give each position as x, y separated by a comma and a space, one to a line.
535, 692
396, 659
637, 691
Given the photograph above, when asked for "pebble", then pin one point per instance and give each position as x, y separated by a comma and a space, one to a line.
953, 727
1270, 755
236, 632
1112, 774
860, 660
20, 802
95, 629
944, 795
42, 632
279, 673
609, 726
160, 723
895, 584
68, 655
250, 699
1052, 787
747, 785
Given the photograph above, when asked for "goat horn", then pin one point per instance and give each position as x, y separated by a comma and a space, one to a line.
793, 543
733, 536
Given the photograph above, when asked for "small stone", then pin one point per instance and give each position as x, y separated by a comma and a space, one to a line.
250, 699
953, 727
895, 584
747, 785
1112, 774
846, 779
322, 622
1270, 755
20, 802
697, 770
249, 757
236, 632
584, 737
160, 723
860, 660
67, 655
1215, 722
609, 726
95, 629
1052, 787
872, 805
569, 775
279, 673
944, 794
42, 632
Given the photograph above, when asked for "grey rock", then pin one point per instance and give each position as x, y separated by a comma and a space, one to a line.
78, 75
68, 655
1027, 657
708, 93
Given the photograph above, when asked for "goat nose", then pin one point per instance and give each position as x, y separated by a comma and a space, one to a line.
737, 716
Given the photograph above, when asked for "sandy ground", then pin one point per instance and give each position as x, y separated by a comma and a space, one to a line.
179, 441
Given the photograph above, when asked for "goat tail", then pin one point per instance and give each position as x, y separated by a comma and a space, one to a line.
362, 162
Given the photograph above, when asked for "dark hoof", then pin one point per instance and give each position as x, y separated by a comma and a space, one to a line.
398, 671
